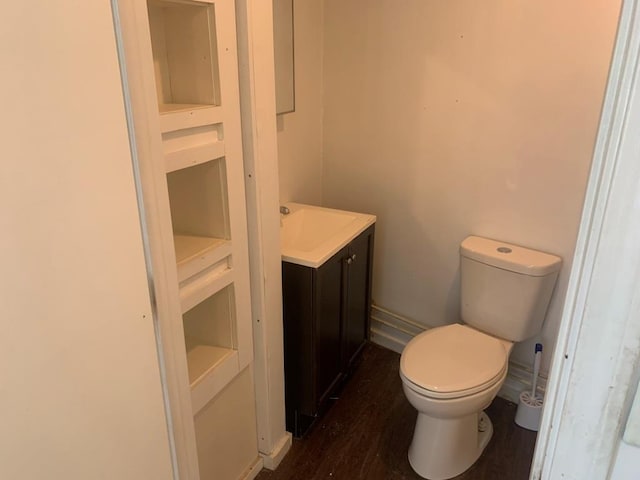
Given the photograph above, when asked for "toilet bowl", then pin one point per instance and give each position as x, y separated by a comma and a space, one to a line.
466, 370
450, 374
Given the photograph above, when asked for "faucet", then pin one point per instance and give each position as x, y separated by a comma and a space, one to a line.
284, 210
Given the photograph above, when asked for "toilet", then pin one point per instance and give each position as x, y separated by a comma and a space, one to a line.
450, 374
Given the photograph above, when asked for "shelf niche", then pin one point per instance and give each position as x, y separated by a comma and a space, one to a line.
183, 40
200, 216
198, 200
209, 331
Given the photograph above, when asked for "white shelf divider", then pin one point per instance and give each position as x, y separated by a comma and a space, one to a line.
188, 157
202, 286
195, 254
214, 379
180, 116
203, 360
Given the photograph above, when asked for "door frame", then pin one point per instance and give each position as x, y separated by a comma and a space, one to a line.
594, 367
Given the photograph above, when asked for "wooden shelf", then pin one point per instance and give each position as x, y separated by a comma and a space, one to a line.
180, 107
198, 288
176, 3
180, 116
195, 254
192, 146
194, 155
217, 376
203, 360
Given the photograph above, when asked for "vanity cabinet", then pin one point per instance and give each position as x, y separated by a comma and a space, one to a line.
326, 324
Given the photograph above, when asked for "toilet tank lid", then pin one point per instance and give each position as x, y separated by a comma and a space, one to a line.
510, 257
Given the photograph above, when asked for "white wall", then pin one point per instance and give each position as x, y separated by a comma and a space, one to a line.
300, 132
453, 118
80, 393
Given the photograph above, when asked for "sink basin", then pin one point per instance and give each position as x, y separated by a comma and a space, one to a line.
311, 235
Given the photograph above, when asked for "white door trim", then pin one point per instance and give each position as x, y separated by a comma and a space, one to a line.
597, 350
259, 138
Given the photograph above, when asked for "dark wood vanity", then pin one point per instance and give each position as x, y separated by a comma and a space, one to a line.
326, 324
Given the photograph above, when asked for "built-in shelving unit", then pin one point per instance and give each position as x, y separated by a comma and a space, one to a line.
179, 63
195, 66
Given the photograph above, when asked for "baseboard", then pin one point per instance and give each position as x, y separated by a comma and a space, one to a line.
394, 331
253, 471
518, 380
391, 330
272, 460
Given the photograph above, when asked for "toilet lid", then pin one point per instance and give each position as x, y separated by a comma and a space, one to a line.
453, 358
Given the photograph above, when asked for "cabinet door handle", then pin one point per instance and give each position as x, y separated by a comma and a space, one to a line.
349, 261
353, 257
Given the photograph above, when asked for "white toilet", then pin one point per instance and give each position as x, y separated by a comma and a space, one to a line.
451, 374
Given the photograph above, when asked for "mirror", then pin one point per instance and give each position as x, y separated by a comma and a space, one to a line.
283, 55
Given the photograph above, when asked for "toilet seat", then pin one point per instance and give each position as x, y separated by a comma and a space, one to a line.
453, 395
453, 361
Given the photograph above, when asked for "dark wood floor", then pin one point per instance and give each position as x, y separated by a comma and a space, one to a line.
366, 433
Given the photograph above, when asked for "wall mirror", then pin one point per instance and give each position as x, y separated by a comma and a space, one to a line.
283, 55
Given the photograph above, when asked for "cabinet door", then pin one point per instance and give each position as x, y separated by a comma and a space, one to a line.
299, 360
329, 301
358, 295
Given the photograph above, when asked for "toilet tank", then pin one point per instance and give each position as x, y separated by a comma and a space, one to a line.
505, 289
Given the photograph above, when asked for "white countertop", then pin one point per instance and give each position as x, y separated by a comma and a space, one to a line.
311, 235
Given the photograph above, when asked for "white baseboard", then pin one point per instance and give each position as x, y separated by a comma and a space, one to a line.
391, 330
394, 331
273, 459
253, 471
518, 380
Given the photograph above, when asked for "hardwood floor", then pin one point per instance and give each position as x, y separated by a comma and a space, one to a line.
366, 433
